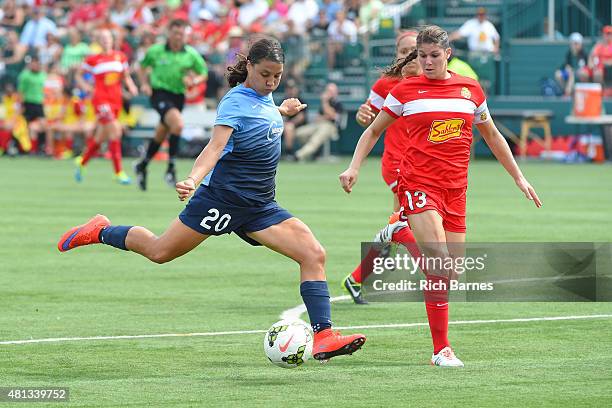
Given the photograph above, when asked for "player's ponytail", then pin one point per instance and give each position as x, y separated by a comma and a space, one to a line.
395, 70
263, 48
238, 73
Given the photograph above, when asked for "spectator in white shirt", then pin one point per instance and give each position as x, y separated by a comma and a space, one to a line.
35, 31
302, 13
480, 33
251, 10
341, 31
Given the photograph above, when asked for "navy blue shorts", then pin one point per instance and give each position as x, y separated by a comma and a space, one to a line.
216, 212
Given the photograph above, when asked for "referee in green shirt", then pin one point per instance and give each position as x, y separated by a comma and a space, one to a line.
165, 72
31, 84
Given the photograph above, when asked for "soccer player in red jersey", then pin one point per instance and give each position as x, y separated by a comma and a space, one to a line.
437, 109
395, 143
109, 69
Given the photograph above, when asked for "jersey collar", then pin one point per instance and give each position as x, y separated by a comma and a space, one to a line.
167, 47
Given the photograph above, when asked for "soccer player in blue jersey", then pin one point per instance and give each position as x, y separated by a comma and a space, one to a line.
232, 189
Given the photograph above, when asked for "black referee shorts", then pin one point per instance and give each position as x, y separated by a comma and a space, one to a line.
162, 101
33, 111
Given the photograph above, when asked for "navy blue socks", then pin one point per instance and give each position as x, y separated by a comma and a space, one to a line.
115, 236
316, 298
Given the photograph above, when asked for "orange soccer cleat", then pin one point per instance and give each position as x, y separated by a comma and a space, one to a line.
328, 344
83, 234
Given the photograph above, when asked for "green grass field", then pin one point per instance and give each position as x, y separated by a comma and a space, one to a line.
226, 285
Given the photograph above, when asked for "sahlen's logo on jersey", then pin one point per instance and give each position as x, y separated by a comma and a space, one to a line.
275, 131
443, 130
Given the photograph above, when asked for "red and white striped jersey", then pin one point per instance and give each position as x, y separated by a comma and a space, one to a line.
438, 117
395, 135
108, 70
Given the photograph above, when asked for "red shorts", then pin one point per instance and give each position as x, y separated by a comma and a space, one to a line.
415, 198
390, 172
106, 112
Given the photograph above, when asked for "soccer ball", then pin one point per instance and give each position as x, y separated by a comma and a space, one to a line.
288, 343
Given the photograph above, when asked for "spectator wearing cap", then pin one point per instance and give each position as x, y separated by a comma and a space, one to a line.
34, 34
574, 65
481, 34
600, 60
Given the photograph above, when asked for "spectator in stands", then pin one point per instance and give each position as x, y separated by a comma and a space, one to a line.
575, 64
141, 17
600, 60
31, 84
249, 11
483, 44
12, 58
369, 12
212, 6
331, 7
52, 53
482, 37
88, 14
13, 16
341, 31
34, 34
320, 25
74, 52
351, 7
325, 127
292, 122
301, 13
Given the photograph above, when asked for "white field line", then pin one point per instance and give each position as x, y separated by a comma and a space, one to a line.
228, 333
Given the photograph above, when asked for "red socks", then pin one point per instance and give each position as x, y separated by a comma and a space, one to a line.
436, 304
90, 150
367, 263
114, 147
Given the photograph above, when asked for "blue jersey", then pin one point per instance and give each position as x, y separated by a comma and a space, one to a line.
249, 160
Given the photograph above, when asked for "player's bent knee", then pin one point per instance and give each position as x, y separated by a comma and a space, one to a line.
161, 257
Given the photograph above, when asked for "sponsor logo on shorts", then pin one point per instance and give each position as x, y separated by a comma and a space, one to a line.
443, 130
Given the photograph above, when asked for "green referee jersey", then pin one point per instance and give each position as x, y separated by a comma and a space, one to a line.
168, 68
31, 86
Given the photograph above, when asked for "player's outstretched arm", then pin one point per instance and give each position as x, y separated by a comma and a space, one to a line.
205, 162
501, 150
368, 139
291, 107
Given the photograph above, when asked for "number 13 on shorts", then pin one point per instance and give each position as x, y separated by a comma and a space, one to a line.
417, 199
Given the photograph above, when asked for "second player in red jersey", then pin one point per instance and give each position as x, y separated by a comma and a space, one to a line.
437, 109
395, 144
109, 69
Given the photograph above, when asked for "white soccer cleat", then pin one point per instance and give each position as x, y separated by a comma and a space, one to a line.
386, 234
446, 358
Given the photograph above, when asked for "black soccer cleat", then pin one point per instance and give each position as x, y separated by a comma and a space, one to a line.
141, 175
354, 289
170, 176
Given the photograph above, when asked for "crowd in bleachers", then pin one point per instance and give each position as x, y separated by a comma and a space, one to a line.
60, 33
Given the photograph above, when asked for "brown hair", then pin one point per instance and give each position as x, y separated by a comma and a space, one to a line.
266, 48
178, 22
429, 35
